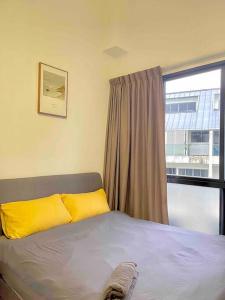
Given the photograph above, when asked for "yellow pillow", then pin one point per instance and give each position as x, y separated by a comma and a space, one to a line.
22, 218
82, 206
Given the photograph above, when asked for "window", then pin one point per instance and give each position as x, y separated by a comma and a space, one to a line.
216, 137
171, 171
197, 173
175, 142
198, 143
198, 148
195, 162
174, 108
181, 107
216, 102
199, 136
193, 172
194, 207
216, 142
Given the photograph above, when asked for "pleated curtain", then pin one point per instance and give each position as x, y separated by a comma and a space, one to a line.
134, 169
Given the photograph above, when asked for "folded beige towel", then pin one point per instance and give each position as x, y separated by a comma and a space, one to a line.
122, 280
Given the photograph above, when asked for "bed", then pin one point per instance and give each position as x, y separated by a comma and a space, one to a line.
74, 261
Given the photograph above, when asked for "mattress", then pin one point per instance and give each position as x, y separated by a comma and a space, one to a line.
74, 261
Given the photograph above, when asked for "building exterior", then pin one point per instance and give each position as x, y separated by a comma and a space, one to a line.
192, 133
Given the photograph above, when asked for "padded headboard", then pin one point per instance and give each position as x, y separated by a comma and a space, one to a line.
36, 187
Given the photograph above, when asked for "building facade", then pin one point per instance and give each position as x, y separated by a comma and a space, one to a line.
192, 133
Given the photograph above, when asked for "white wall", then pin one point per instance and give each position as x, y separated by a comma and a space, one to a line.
69, 35
165, 33
72, 35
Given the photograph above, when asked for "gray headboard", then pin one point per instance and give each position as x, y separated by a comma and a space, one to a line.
35, 187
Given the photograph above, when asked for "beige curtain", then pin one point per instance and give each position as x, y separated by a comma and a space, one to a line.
134, 171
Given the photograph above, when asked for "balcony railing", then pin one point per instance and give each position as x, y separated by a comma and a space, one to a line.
198, 149
175, 149
194, 149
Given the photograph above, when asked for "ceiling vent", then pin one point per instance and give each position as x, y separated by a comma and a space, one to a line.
115, 52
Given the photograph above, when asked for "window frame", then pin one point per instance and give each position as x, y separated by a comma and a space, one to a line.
198, 181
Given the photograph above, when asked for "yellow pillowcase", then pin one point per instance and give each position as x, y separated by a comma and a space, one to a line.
22, 218
82, 206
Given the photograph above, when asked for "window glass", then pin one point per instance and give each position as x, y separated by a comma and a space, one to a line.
197, 172
170, 135
204, 173
216, 137
192, 106
181, 172
167, 108
174, 108
179, 137
205, 137
184, 107
171, 171
216, 102
189, 172
216, 143
196, 137
193, 172
193, 124
194, 207
199, 136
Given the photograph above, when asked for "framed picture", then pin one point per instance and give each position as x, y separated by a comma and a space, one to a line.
52, 91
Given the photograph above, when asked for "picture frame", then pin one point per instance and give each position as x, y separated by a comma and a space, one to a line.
52, 91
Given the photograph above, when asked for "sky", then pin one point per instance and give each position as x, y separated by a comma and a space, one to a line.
206, 80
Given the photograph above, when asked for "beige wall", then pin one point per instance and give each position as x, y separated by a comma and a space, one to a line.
69, 35
72, 35
165, 33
